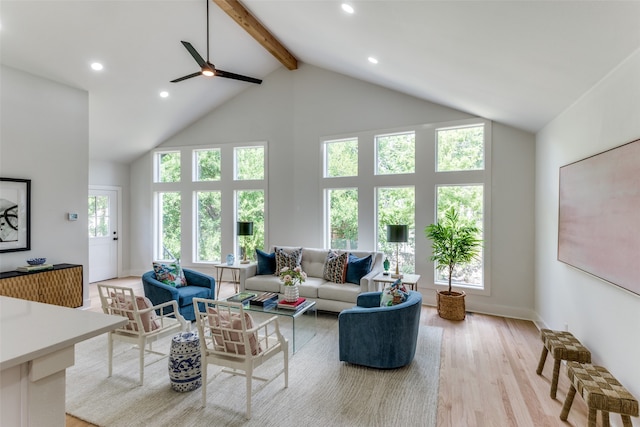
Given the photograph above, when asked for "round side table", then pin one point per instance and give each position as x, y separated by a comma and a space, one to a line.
184, 362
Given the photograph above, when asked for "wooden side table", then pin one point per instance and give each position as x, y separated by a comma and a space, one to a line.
235, 273
407, 280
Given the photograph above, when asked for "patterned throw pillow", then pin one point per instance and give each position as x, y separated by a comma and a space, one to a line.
224, 326
149, 319
357, 268
335, 267
393, 294
290, 259
170, 274
266, 262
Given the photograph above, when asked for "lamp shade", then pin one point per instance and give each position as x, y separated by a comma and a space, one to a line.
245, 228
397, 233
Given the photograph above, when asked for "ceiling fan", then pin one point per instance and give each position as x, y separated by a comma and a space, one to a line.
207, 68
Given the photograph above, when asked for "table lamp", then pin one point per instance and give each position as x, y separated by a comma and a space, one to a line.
245, 228
397, 234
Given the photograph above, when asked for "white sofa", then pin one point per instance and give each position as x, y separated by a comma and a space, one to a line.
329, 296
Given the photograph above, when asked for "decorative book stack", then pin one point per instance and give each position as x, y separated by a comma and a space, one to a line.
32, 268
266, 298
291, 305
241, 297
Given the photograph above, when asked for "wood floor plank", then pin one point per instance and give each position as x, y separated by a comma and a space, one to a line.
487, 372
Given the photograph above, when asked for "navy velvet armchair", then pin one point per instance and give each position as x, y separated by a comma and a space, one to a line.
380, 337
198, 285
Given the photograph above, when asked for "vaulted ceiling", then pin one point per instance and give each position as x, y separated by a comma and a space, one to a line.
517, 62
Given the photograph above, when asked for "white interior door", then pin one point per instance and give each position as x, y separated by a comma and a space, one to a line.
103, 234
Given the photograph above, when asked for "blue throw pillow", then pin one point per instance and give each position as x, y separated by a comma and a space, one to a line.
266, 262
357, 268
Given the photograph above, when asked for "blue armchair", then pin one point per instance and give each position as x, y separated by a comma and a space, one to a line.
198, 285
380, 337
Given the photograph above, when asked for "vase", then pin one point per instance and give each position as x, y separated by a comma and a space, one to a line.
291, 293
230, 259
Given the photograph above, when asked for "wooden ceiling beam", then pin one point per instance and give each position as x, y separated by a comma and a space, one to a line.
251, 25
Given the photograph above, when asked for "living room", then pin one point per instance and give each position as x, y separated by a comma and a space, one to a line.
45, 129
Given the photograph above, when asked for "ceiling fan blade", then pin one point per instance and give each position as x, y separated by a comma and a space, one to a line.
228, 75
201, 62
186, 77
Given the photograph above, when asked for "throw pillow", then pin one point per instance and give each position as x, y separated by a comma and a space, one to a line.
266, 262
149, 320
335, 267
170, 274
223, 324
287, 259
393, 294
357, 268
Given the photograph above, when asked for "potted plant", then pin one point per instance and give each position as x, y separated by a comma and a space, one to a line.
454, 242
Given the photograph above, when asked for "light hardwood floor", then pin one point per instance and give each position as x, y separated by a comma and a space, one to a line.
487, 375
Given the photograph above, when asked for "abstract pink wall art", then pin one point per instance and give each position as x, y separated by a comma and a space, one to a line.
599, 216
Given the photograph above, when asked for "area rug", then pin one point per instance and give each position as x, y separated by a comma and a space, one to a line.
322, 390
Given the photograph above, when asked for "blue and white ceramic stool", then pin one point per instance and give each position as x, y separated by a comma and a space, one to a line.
184, 362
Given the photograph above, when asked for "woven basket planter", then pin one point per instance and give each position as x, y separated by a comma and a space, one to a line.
451, 305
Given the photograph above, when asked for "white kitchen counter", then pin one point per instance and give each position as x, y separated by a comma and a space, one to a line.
36, 346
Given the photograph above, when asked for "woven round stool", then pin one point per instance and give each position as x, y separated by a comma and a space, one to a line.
600, 391
563, 346
184, 362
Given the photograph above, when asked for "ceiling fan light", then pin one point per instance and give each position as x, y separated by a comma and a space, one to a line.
208, 72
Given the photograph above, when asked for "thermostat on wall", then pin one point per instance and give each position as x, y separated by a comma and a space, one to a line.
73, 216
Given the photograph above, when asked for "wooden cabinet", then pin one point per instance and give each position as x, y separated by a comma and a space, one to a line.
60, 286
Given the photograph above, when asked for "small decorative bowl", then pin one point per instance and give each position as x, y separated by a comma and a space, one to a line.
36, 261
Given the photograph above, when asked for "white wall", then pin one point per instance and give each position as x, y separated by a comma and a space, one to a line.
292, 110
602, 316
44, 137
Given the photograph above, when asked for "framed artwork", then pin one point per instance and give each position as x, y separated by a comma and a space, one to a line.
15, 214
599, 216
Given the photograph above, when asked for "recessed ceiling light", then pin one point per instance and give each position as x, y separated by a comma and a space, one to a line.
372, 60
164, 94
97, 66
347, 8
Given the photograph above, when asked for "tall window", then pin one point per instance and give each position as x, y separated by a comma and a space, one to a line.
169, 233
396, 206
340, 162
342, 214
468, 201
396, 155
208, 233
461, 151
195, 218
250, 207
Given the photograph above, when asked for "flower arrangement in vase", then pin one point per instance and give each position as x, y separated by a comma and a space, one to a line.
292, 277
